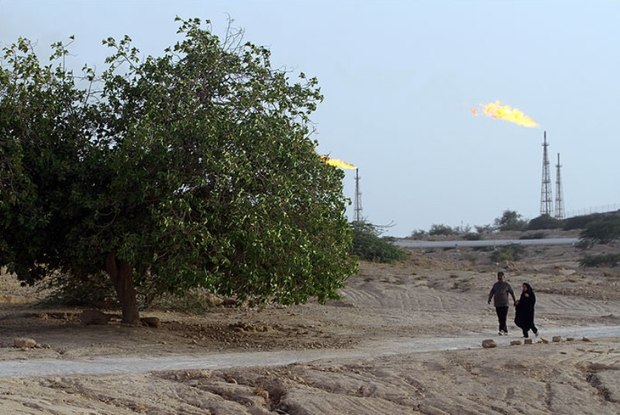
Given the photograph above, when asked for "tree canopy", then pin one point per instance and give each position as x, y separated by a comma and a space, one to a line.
192, 169
510, 221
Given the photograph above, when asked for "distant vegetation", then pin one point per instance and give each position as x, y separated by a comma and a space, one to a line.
511, 220
596, 229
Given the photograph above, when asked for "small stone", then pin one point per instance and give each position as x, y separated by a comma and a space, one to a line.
570, 339
94, 317
545, 341
515, 343
527, 341
556, 339
488, 344
150, 321
585, 339
24, 343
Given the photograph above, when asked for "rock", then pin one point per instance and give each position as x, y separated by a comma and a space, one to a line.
570, 339
585, 339
488, 344
229, 302
94, 317
150, 321
24, 343
515, 343
545, 341
556, 339
527, 341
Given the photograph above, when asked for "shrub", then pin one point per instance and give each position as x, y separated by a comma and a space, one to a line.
582, 222
610, 260
484, 229
418, 234
535, 235
442, 230
545, 222
601, 232
507, 253
510, 221
369, 246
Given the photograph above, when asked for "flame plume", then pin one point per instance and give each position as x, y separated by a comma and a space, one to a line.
338, 163
505, 112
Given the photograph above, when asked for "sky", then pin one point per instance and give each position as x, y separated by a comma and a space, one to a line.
400, 79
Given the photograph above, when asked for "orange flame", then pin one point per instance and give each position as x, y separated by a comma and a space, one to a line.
505, 112
338, 163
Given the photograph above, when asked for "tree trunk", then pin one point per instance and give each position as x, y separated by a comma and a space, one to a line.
121, 275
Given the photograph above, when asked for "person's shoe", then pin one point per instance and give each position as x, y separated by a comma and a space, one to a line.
505, 332
536, 334
500, 333
526, 337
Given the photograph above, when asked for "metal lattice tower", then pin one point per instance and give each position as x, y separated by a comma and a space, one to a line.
545, 192
358, 198
559, 203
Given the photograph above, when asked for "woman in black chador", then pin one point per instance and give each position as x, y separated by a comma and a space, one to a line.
524, 313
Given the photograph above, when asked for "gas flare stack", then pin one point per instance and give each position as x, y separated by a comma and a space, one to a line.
545, 191
559, 203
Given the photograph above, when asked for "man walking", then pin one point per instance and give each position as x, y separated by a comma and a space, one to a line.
499, 294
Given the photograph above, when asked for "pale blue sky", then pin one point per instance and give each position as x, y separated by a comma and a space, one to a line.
400, 78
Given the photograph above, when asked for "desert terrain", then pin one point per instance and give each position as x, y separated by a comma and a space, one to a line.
405, 338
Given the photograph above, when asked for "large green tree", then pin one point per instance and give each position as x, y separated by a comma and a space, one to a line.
192, 169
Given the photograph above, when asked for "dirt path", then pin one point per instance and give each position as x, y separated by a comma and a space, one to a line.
368, 350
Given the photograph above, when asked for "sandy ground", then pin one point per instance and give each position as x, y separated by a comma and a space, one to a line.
438, 293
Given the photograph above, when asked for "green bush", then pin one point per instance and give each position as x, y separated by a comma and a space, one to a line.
545, 222
484, 229
418, 234
510, 221
442, 230
582, 222
471, 236
601, 232
535, 235
610, 260
507, 253
369, 246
